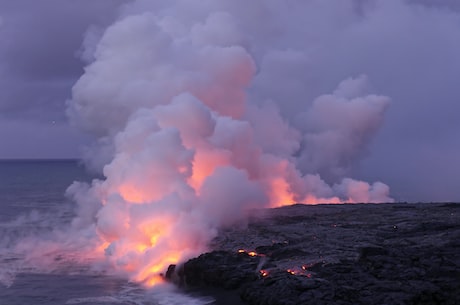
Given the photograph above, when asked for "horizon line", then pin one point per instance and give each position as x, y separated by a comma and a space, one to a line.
41, 159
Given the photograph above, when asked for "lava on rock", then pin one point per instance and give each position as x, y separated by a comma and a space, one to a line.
361, 259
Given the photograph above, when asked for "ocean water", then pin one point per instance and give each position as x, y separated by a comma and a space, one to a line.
33, 206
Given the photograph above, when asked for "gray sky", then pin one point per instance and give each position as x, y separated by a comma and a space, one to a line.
39, 63
410, 54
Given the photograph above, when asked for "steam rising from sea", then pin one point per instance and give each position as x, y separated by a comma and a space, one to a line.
201, 118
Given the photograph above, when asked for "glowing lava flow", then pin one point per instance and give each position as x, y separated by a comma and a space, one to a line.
264, 273
301, 272
250, 253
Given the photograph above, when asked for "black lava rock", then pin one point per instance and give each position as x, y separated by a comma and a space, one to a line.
344, 254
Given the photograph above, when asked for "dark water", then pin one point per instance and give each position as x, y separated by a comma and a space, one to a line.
32, 206
34, 185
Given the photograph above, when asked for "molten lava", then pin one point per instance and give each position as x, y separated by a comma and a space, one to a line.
263, 273
250, 253
301, 271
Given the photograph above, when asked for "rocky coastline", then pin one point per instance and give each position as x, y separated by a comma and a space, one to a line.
334, 254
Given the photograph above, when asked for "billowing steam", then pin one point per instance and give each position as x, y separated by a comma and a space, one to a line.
202, 118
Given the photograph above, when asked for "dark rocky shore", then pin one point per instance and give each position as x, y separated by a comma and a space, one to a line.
335, 254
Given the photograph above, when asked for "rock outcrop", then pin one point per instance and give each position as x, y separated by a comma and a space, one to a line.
338, 254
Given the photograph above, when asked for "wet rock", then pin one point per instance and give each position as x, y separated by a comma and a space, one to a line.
170, 272
221, 268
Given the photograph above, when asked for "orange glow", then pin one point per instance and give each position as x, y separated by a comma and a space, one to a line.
154, 280
250, 253
279, 193
264, 273
152, 232
131, 194
154, 239
130, 267
102, 247
141, 248
150, 275
313, 200
204, 164
301, 271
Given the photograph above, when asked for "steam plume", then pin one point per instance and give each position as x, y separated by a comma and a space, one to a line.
205, 120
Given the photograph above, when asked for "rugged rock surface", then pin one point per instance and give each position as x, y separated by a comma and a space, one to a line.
338, 254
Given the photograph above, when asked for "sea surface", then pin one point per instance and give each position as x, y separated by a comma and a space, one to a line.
33, 205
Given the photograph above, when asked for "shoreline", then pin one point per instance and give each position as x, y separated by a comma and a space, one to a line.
336, 254
221, 296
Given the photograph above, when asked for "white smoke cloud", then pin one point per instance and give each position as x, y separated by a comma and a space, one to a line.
338, 127
207, 117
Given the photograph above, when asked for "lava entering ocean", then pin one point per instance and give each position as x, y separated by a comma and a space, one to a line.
179, 103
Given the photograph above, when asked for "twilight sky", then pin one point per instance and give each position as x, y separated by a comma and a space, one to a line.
408, 50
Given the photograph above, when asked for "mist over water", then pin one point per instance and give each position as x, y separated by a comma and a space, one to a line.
37, 266
33, 211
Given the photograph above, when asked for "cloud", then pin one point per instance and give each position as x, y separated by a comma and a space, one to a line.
194, 105
39, 65
338, 128
40, 41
